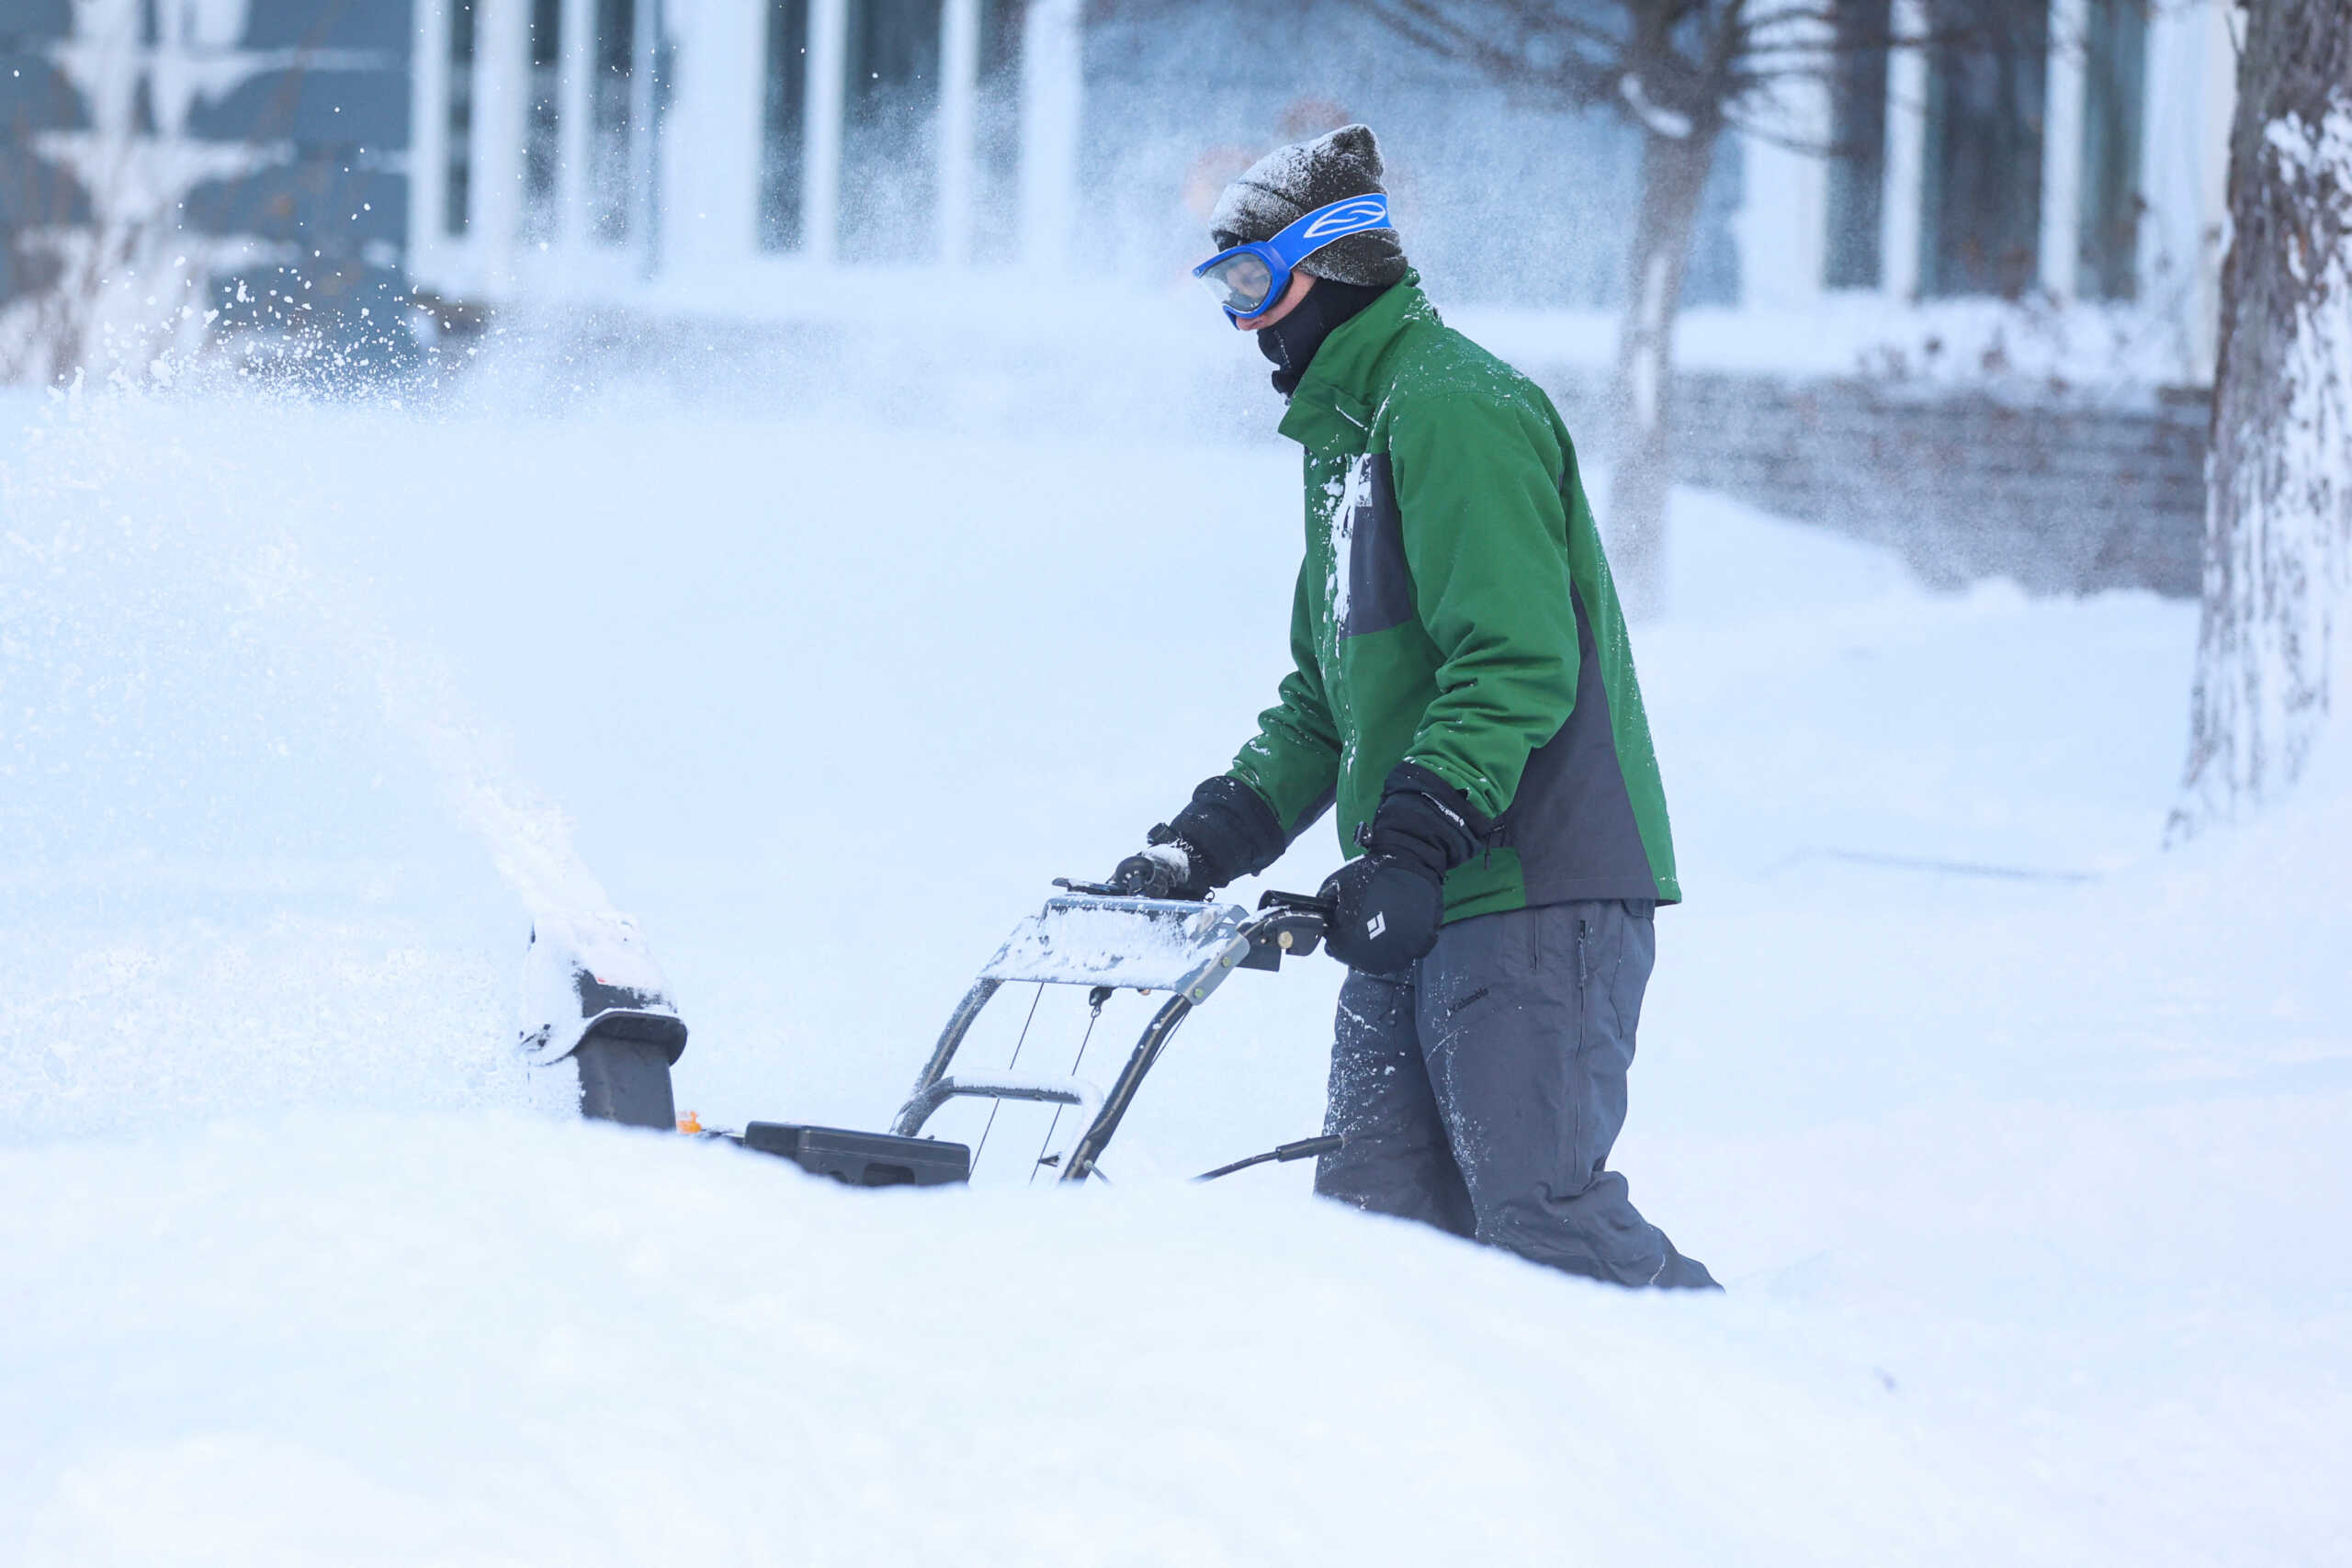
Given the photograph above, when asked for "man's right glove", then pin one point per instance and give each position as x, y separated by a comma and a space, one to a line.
1388, 903
1228, 831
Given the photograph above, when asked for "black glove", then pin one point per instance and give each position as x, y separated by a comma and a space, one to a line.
1387, 904
1228, 831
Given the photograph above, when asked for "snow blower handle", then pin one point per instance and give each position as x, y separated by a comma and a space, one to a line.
1288, 925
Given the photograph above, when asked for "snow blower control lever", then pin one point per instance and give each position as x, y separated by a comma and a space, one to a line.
1288, 925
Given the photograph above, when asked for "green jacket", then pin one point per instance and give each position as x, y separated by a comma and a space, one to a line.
1455, 610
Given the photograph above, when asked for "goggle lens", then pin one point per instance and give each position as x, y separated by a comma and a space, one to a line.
1240, 283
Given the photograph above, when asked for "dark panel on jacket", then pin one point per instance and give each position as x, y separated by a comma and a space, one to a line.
1380, 580
1572, 821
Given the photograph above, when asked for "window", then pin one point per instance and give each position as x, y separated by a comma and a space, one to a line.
782, 141
1857, 144
611, 88
457, 192
1980, 215
540, 147
996, 140
889, 134
2115, 75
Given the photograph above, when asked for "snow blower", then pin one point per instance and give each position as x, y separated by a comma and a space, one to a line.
592, 996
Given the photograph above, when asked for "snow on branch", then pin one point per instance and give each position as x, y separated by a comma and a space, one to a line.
1656, 118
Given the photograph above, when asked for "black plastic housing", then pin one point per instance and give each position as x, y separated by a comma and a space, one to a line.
625, 1071
863, 1159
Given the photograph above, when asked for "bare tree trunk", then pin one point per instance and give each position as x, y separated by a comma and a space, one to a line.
1674, 172
2274, 652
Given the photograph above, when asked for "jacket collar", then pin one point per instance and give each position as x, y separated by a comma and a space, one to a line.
1333, 407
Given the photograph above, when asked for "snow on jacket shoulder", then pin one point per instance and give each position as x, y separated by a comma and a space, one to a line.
1454, 609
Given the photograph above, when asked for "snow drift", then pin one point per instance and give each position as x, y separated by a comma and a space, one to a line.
2019, 1142
481, 1340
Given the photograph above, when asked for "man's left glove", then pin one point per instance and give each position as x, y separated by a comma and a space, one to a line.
1228, 831
1389, 902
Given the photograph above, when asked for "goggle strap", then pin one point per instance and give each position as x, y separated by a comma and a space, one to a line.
1327, 224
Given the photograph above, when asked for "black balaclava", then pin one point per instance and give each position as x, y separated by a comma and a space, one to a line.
1349, 273
1291, 342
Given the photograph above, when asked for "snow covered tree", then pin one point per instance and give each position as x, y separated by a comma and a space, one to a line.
2274, 655
114, 270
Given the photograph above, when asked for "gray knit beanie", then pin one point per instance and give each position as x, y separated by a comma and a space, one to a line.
1291, 182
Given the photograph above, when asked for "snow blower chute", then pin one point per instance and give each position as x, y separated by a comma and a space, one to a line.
592, 996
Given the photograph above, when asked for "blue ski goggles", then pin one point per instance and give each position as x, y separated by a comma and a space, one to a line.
1249, 280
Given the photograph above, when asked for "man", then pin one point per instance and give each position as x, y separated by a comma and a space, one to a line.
1463, 689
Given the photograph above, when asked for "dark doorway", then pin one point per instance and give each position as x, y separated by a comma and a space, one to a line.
1858, 144
784, 126
611, 89
2115, 91
890, 132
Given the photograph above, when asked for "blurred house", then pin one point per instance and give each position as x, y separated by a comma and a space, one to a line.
2083, 159
607, 144
763, 159
499, 151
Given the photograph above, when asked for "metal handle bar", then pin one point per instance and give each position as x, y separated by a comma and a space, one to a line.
1288, 924
1097, 1136
1000, 1086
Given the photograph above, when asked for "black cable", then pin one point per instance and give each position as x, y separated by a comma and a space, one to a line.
1305, 1148
1099, 995
995, 1104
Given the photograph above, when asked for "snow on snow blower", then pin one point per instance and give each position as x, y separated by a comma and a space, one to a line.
592, 996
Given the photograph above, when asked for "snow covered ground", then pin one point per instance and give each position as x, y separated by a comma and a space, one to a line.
2020, 1143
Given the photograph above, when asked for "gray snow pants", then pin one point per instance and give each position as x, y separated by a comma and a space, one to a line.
1479, 1091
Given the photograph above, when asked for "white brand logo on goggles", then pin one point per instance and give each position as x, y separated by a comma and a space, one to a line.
1346, 218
